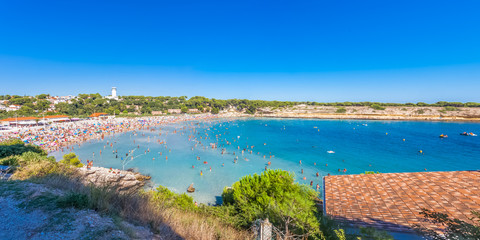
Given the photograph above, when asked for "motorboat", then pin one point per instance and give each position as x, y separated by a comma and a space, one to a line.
468, 134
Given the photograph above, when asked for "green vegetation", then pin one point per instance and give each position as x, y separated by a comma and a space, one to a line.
377, 107
71, 159
17, 147
170, 199
450, 108
274, 195
420, 111
341, 110
86, 104
75, 200
453, 228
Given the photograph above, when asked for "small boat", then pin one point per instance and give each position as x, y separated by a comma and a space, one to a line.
468, 134
330, 152
191, 188
443, 136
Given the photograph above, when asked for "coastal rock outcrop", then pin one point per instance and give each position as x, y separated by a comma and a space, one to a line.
122, 180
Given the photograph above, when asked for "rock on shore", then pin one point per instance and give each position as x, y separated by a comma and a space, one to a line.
100, 176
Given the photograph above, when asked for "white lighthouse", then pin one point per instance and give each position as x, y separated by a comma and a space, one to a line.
114, 94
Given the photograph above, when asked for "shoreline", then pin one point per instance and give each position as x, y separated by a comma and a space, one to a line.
331, 116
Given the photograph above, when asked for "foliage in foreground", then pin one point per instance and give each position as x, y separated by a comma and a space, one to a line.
71, 159
13, 147
452, 228
275, 195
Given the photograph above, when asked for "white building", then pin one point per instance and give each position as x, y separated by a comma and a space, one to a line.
114, 94
13, 108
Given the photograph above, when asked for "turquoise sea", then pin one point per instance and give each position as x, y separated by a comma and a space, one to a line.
356, 146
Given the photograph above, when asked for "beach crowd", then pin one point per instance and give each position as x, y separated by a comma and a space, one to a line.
57, 136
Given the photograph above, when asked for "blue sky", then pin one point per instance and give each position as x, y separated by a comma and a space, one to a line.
389, 51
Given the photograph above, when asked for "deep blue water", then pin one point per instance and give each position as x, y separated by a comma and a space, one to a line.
358, 146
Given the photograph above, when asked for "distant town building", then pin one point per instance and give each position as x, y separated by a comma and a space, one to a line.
174, 111
13, 108
193, 110
157, 112
29, 121
114, 94
60, 99
18, 121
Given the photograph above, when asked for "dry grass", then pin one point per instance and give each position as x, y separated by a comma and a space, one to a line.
138, 207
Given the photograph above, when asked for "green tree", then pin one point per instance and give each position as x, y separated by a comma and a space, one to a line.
275, 195
71, 159
42, 96
377, 107
25, 110
215, 110
184, 109
452, 228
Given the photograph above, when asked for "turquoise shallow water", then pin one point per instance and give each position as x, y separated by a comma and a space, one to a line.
358, 146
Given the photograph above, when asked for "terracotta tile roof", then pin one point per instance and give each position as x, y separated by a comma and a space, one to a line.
19, 119
56, 116
393, 201
98, 114
31, 118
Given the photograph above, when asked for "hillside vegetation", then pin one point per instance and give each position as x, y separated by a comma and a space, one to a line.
85, 104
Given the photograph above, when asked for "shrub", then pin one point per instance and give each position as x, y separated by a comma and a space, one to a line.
10, 161
26, 159
17, 147
76, 200
377, 107
274, 195
36, 170
71, 159
341, 110
450, 108
420, 111
170, 199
